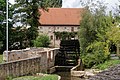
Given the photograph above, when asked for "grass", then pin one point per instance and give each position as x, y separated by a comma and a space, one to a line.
48, 77
107, 64
1, 58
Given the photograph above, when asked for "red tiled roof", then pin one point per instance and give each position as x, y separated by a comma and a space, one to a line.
61, 16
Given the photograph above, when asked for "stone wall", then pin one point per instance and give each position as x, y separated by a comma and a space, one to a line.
47, 56
49, 30
21, 54
28, 53
21, 67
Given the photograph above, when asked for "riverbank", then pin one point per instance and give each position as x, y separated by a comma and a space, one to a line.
39, 76
87, 73
112, 73
107, 64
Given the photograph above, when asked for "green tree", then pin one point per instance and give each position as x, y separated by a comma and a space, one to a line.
93, 40
3, 24
53, 3
42, 41
27, 12
20, 35
2, 19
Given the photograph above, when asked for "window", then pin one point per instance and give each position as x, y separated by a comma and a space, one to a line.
57, 37
72, 29
65, 28
51, 37
40, 28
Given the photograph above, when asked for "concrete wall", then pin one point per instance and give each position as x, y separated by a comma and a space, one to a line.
27, 53
47, 55
51, 57
21, 67
22, 62
21, 54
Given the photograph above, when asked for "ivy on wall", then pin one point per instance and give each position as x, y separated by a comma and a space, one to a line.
65, 35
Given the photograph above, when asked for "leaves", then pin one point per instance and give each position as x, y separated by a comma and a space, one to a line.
53, 3
42, 41
65, 35
95, 36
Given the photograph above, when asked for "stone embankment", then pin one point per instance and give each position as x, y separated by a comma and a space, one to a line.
112, 73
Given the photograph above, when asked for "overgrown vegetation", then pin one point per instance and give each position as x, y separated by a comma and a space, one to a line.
65, 35
97, 32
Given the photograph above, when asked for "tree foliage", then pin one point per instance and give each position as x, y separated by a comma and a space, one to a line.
2, 19
27, 12
65, 35
93, 38
3, 24
42, 41
53, 3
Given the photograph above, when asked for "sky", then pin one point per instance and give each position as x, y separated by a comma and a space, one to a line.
77, 3
11, 1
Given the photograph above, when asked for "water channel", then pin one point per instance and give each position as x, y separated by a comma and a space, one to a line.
67, 76
64, 72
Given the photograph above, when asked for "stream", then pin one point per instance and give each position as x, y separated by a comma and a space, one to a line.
67, 76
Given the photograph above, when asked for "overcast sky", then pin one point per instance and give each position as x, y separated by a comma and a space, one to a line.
77, 4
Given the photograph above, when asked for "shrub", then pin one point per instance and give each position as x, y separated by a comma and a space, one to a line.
42, 41
99, 52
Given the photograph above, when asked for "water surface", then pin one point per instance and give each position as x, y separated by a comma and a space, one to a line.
67, 76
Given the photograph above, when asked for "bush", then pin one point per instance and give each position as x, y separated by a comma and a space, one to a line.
42, 41
90, 60
99, 52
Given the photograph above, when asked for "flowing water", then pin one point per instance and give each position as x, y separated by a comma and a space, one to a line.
67, 76
64, 72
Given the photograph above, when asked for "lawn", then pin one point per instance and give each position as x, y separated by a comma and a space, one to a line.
1, 58
48, 77
107, 64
